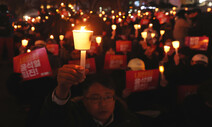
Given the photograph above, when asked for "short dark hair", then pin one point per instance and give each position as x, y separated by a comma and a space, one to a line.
104, 79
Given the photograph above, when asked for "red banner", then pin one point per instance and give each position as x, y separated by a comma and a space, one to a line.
53, 48
198, 43
142, 80
32, 65
115, 62
123, 46
144, 21
162, 17
90, 64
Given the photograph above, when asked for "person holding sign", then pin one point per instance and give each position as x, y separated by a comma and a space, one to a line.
98, 106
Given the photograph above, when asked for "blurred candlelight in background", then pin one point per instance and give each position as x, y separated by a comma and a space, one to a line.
51, 37
176, 45
24, 42
98, 40
61, 37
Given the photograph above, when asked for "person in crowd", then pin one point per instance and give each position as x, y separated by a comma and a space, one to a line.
197, 108
30, 94
6, 32
98, 106
181, 26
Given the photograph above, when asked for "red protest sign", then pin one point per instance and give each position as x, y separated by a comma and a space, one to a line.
90, 64
142, 80
32, 65
53, 48
162, 17
115, 62
197, 43
93, 48
123, 46
144, 21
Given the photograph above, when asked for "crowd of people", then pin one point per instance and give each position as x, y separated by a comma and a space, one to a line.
72, 96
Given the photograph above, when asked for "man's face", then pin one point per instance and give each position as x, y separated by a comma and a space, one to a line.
99, 102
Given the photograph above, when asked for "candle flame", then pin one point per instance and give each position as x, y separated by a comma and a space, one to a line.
161, 68
82, 28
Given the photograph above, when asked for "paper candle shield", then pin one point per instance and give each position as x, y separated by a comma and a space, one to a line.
82, 39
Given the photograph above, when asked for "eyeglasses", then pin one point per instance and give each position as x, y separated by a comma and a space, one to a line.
98, 99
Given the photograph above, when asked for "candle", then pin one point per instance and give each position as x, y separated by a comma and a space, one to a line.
98, 40
51, 37
166, 48
82, 41
176, 45
112, 12
150, 25
152, 35
144, 35
162, 32
136, 26
33, 28
28, 50
114, 31
161, 69
61, 37
104, 19
24, 42
136, 30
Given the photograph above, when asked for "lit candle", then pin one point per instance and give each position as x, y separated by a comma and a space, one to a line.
162, 32
176, 45
33, 28
112, 12
156, 9
150, 25
208, 9
61, 37
98, 40
104, 19
51, 37
100, 15
114, 31
136, 30
152, 35
144, 35
161, 69
82, 41
166, 49
24, 42
84, 19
